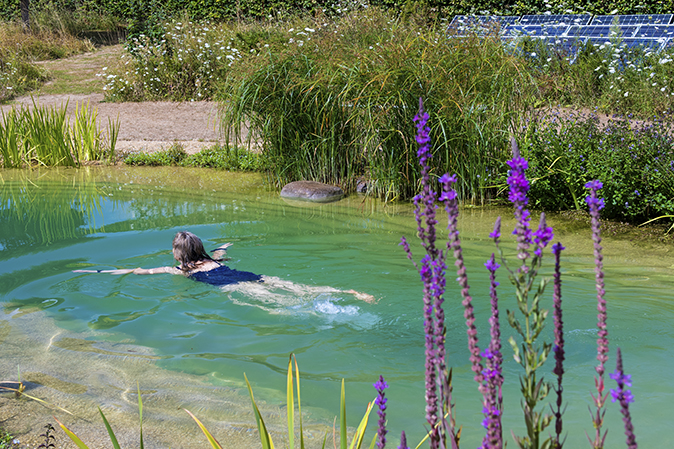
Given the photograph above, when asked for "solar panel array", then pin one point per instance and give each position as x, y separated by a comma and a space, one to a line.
652, 32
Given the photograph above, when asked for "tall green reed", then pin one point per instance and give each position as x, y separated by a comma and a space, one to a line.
336, 101
44, 136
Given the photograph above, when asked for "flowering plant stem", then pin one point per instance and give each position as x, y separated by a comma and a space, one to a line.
531, 355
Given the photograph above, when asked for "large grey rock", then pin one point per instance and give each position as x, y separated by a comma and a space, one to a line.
313, 191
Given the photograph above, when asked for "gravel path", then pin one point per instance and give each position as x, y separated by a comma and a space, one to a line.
145, 126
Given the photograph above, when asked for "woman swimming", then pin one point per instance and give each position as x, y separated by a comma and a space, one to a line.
196, 264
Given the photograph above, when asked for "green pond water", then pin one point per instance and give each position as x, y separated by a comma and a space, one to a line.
56, 221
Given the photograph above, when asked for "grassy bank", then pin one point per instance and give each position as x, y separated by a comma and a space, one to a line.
19, 51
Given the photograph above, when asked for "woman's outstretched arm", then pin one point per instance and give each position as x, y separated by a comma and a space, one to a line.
158, 270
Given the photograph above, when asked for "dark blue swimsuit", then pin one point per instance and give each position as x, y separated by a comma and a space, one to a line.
223, 275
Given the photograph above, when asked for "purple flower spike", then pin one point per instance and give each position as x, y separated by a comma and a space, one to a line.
542, 236
595, 205
624, 396
493, 368
380, 401
454, 245
519, 186
558, 347
496, 233
408, 251
403, 441
432, 270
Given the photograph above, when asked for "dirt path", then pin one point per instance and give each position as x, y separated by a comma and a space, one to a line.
144, 126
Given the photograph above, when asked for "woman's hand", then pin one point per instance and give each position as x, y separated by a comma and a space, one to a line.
362, 296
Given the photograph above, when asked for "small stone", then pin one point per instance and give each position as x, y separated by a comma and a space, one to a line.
313, 191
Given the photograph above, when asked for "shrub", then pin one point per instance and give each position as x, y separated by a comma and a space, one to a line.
185, 64
225, 158
633, 159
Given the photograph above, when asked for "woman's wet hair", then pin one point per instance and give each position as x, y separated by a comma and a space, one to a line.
189, 250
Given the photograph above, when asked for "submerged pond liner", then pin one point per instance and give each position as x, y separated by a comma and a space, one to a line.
188, 344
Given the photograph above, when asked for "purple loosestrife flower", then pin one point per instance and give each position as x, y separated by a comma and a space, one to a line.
380, 401
519, 186
408, 251
403, 441
558, 347
454, 244
431, 360
542, 236
496, 233
432, 270
493, 367
529, 354
624, 396
596, 204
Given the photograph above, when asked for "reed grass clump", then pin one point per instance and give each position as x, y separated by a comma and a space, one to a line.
44, 136
76, 23
41, 43
335, 101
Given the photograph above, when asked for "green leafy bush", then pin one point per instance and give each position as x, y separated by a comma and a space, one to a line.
225, 158
634, 160
185, 64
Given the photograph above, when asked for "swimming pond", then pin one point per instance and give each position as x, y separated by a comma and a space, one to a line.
190, 343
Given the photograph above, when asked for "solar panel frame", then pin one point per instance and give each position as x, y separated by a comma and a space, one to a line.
655, 31
534, 30
634, 19
602, 31
571, 45
561, 19
655, 45
479, 24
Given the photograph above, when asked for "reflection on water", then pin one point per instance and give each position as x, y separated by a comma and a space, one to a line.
35, 211
86, 339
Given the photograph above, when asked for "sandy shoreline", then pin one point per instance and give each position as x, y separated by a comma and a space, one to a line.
79, 372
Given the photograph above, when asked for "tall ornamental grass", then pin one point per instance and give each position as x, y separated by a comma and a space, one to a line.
44, 136
336, 100
332, 99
